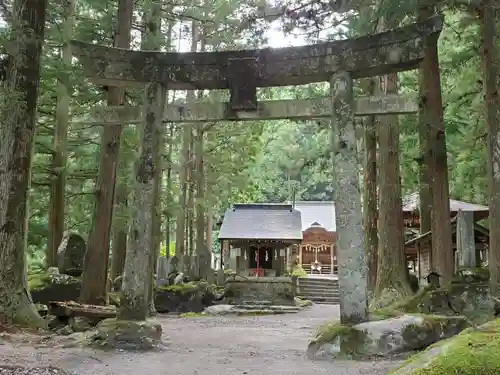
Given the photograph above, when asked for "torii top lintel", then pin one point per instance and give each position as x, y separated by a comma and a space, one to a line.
391, 51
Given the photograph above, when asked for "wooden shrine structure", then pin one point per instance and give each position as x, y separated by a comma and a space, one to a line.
317, 251
255, 238
242, 72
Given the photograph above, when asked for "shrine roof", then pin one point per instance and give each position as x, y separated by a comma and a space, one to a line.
262, 221
321, 212
411, 202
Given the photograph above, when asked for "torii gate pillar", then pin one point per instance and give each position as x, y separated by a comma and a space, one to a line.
353, 282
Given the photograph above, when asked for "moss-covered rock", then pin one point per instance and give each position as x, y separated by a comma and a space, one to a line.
184, 298
45, 287
125, 335
274, 290
301, 302
386, 337
473, 351
468, 294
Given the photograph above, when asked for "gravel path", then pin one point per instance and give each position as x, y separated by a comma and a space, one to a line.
260, 345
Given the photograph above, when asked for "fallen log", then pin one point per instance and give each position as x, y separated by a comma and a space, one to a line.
73, 309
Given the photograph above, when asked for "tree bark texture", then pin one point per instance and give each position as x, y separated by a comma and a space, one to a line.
392, 280
200, 197
180, 248
120, 227
60, 140
168, 210
424, 131
183, 220
137, 274
17, 133
347, 195
442, 259
370, 209
95, 270
489, 15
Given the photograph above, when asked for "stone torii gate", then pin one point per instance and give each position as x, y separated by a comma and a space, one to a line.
242, 72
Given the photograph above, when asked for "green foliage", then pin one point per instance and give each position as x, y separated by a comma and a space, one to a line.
247, 161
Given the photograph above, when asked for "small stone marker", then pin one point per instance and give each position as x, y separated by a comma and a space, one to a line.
433, 279
71, 254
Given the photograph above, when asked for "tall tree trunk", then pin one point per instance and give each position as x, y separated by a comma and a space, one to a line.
392, 272
424, 162
168, 211
442, 259
392, 279
183, 242
370, 211
60, 140
120, 227
203, 267
95, 269
191, 197
180, 230
17, 133
200, 204
488, 16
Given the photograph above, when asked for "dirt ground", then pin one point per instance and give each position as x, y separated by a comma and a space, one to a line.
260, 345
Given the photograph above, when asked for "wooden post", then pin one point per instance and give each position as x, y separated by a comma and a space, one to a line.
466, 245
331, 260
347, 195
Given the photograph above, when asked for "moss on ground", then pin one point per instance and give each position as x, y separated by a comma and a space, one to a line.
43, 279
178, 288
301, 302
192, 315
473, 351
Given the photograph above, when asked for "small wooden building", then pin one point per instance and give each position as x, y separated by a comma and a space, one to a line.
255, 238
411, 207
421, 246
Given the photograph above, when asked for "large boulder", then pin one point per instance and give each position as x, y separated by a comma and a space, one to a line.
383, 338
468, 294
45, 287
182, 298
125, 335
473, 351
275, 290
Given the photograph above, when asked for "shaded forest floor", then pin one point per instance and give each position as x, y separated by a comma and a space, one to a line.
257, 345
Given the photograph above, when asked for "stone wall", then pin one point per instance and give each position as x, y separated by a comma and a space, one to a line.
276, 290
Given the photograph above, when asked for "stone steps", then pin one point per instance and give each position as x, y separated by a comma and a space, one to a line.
250, 309
263, 309
319, 290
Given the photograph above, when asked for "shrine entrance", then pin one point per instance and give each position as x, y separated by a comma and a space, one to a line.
317, 251
242, 72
